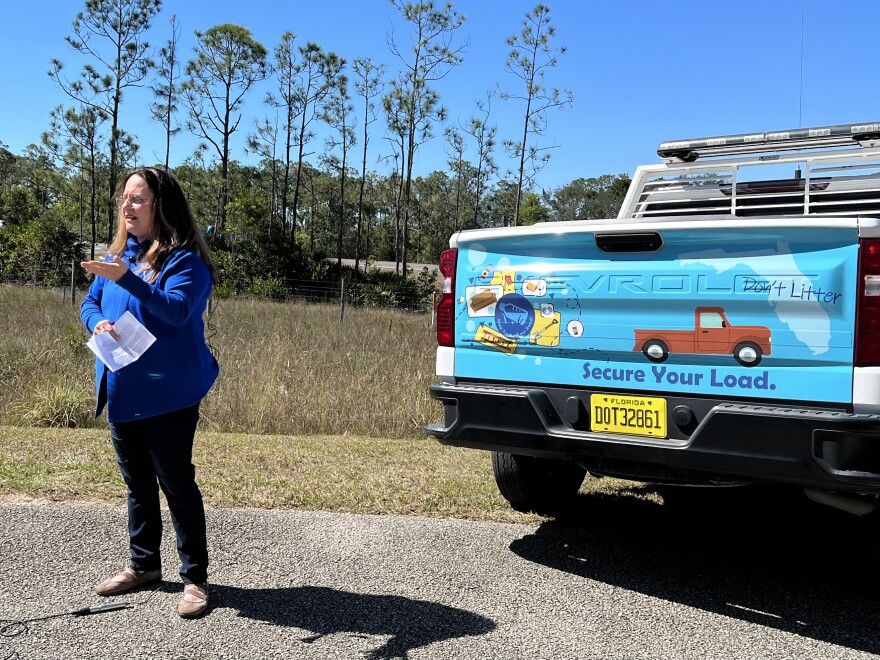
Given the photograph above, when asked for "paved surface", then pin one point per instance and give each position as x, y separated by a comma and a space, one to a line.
389, 265
627, 579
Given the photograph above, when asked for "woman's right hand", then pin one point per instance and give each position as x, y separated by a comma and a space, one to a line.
106, 326
112, 270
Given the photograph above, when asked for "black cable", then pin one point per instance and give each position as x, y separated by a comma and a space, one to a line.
16, 627
210, 328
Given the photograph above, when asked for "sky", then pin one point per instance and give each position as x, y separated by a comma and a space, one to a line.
641, 72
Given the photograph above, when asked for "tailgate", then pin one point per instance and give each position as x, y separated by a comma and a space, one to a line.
546, 305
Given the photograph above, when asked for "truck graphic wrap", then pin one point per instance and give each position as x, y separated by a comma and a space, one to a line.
558, 310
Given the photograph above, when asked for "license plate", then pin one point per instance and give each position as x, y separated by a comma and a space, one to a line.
633, 415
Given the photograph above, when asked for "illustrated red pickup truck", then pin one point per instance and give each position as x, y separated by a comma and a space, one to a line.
712, 334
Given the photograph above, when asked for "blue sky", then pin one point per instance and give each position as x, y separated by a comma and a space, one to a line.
641, 71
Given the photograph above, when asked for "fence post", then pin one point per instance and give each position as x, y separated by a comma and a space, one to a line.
73, 282
342, 301
433, 308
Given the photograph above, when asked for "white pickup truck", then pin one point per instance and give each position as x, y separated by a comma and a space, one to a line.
724, 328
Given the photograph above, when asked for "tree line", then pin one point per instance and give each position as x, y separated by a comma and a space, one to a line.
287, 217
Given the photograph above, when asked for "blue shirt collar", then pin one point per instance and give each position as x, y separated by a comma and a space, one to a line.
133, 247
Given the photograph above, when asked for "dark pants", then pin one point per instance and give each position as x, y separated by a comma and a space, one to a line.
157, 452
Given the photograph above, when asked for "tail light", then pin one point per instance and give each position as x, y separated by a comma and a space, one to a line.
446, 308
867, 351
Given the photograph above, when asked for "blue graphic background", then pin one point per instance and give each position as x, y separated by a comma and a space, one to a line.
797, 281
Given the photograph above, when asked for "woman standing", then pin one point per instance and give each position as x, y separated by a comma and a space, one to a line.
160, 270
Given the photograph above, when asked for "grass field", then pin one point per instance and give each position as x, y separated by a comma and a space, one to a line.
355, 474
286, 368
309, 412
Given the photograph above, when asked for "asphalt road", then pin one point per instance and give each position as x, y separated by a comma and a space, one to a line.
389, 265
623, 579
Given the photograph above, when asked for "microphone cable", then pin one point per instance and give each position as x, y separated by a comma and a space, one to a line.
16, 627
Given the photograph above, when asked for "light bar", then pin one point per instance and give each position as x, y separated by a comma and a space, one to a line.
789, 140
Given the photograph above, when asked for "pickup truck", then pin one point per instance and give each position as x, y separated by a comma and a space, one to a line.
542, 359
712, 334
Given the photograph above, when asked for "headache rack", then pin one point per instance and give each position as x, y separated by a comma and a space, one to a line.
835, 172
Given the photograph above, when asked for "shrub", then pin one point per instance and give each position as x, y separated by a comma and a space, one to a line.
40, 252
75, 338
66, 403
388, 289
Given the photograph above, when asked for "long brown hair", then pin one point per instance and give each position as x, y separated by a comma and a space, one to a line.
173, 224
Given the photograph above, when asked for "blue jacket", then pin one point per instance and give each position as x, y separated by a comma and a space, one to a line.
177, 371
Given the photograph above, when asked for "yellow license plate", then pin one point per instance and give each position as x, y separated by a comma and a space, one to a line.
633, 415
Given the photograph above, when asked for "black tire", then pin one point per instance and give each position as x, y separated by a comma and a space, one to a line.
655, 350
748, 354
537, 485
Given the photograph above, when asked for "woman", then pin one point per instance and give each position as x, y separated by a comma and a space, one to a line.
159, 269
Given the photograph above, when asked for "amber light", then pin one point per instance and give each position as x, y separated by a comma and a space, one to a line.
867, 351
446, 308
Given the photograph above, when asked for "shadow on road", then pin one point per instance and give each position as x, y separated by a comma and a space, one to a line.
757, 555
324, 611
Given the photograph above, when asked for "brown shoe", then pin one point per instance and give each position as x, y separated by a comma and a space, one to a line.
126, 581
194, 601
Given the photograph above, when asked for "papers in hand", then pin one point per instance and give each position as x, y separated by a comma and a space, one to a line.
134, 340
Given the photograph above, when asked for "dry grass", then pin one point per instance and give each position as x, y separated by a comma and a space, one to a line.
286, 368
295, 368
46, 371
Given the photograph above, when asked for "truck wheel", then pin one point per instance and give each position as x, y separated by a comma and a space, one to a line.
541, 485
748, 354
655, 350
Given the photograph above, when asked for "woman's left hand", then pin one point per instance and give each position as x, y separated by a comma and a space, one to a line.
112, 270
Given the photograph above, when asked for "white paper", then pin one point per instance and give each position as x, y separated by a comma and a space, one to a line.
134, 340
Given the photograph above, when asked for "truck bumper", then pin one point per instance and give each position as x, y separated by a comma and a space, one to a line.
724, 440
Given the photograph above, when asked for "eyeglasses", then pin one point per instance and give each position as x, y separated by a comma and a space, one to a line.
134, 200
